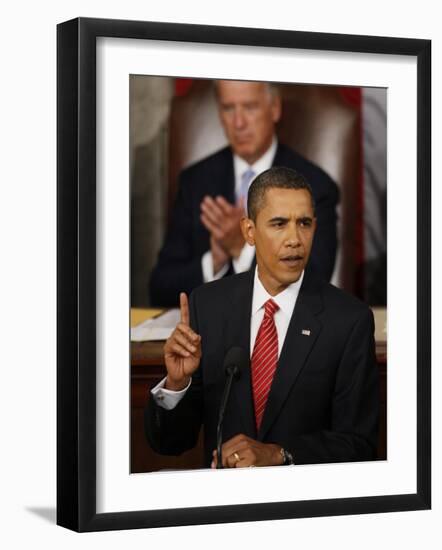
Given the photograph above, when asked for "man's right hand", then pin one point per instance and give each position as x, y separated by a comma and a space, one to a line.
182, 351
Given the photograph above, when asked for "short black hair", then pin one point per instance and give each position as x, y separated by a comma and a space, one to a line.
277, 177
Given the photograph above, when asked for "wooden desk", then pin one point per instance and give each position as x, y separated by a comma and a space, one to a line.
147, 369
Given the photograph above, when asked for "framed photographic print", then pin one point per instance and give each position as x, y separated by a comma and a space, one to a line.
138, 104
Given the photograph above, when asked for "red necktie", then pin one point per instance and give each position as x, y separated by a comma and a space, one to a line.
264, 360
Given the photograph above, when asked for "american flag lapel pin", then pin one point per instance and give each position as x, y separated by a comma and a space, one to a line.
306, 332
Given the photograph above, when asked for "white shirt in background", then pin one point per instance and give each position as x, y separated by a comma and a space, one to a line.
245, 259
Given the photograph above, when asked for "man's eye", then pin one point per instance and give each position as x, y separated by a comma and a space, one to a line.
251, 107
306, 222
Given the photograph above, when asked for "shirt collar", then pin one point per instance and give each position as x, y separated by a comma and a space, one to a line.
263, 163
286, 299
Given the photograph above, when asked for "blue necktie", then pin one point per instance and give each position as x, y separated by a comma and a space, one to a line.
246, 179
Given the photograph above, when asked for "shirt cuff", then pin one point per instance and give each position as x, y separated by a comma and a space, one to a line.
207, 268
244, 261
168, 399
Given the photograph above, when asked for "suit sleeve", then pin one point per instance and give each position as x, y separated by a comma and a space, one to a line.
171, 432
178, 268
355, 405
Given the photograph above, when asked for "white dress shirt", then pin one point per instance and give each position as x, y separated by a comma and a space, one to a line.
286, 300
245, 259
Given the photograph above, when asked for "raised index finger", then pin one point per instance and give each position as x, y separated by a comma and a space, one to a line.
184, 307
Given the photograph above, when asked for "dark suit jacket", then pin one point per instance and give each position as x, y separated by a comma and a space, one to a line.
179, 263
323, 402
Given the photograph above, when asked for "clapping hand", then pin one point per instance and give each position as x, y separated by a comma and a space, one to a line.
222, 219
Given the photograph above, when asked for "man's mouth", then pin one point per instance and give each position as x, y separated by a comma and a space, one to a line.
292, 260
242, 138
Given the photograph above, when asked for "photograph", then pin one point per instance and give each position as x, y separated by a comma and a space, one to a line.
220, 261
196, 147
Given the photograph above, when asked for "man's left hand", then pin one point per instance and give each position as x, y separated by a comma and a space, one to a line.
222, 219
242, 452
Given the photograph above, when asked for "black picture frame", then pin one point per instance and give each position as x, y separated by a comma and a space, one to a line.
76, 273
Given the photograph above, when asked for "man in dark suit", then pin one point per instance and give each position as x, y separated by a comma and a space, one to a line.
311, 392
204, 240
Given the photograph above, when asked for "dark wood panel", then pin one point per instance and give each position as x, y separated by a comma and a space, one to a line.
146, 354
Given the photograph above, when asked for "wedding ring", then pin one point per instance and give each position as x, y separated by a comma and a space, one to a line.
236, 455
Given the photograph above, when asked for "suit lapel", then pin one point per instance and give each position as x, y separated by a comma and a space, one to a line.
237, 333
304, 329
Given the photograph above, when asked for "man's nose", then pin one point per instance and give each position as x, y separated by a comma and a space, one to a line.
292, 238
238, 118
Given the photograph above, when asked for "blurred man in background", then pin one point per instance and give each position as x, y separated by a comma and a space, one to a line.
204, 241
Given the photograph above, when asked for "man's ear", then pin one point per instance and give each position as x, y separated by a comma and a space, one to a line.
248, 230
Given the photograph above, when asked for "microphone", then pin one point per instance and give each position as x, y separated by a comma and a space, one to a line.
235, 362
